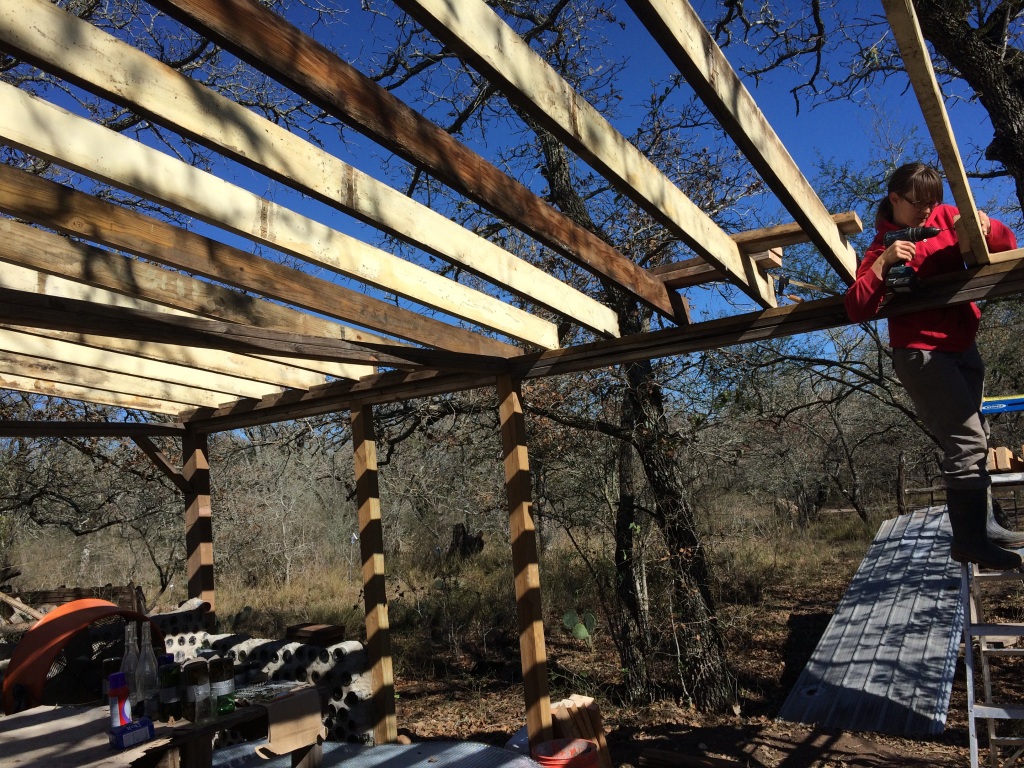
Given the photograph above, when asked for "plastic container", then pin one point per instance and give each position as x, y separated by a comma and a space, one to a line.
117, 697
566, 753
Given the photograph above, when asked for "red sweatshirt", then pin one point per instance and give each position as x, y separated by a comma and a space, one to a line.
949, 329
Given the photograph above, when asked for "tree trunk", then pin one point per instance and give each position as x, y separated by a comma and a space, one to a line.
701, 662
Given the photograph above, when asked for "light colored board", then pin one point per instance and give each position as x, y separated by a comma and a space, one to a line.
214, 361
529, 613
681, 33
480, 36
62, 43
20, 382
119, 281
17, 278
13, 363
271, 45
74, 213
45, 129
371, 548
903, 20
104, 360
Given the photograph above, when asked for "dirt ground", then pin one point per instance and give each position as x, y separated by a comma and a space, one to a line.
767, 655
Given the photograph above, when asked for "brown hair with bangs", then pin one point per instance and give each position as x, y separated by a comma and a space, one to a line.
913, 181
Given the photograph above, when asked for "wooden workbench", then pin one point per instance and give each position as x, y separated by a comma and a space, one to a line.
76, 737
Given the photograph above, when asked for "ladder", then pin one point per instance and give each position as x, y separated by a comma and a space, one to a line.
993, 640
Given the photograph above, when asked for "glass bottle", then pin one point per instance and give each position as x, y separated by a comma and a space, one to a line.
130, 662
197, 691
171, 707
147, 682
222, 684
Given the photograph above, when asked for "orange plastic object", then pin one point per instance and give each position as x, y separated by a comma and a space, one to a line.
33, 655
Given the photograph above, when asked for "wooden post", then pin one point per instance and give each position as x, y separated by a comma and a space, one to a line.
519, 490
198, 518
371, 547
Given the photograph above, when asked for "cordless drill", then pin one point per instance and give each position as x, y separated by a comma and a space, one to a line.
902, 278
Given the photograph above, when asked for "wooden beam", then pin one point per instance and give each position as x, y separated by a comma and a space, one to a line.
15, 364
111, 157
519, 492
697, 271
681, 34
1005, 278
918, 62
59, 42
27, 196
226, 387
763, 246
215, 361
481, 38
371, 547
71, 391
266, 41
20, 307
16, 428
195, 452
162, 463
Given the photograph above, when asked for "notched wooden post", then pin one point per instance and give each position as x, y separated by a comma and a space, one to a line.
371, 548
198, 518
519, 490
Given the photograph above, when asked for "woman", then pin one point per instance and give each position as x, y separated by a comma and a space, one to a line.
935, 355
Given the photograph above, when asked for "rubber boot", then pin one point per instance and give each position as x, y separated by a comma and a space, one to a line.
968, 512
998, 535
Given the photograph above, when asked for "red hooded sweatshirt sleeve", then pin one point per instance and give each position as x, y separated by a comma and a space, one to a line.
949, 329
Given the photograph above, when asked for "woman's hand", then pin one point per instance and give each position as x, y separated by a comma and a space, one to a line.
899, 252
986, 223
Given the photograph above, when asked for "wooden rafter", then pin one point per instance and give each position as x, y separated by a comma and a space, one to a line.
116, 362
55, 40
918, 62
47, 130
990, 281
24, 381
43, 311
15, 428
78, 214
681, 34
72, 375
480, 37
257, 35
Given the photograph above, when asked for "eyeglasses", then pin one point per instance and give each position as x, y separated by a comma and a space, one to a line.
919, 204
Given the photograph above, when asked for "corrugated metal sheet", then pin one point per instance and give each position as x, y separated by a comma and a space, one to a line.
464, 754
887, 658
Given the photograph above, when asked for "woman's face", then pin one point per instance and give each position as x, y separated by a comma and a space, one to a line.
907, 212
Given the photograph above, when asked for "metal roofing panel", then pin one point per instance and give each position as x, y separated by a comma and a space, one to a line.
886, 660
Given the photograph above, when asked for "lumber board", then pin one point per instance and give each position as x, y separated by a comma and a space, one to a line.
67, 314
13, 363
987, 282
19, 428
697, 271
272, 45
199, 563
77, 214
59, 42
27, 383
116, 159
371, 548
75, 354
161, 462
525, 566
20, 606
486, 42
918, 62
216, 361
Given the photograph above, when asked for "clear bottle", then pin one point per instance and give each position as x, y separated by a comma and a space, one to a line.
130, 662
147, 680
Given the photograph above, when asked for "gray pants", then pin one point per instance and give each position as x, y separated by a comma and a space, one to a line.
946, 389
